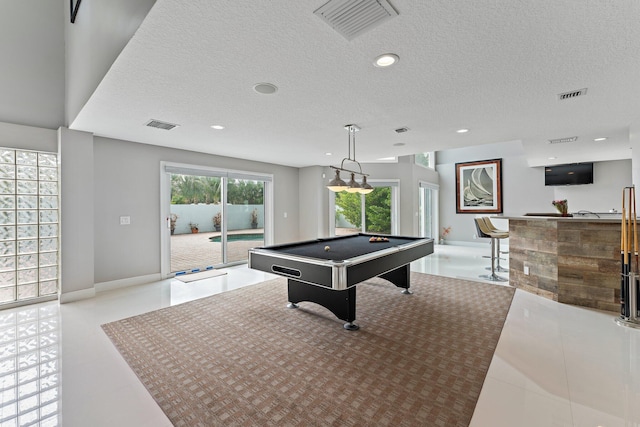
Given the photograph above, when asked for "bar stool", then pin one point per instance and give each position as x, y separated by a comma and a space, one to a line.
493, 228
484, 231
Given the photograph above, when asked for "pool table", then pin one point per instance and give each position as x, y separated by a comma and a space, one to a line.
326, 270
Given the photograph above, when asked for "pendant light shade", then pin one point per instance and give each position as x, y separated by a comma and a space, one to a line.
365, 188
337, 184
353, 186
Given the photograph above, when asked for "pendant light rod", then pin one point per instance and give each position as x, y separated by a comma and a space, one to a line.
351, 141
337, 184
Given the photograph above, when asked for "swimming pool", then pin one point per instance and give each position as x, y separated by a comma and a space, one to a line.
239, 237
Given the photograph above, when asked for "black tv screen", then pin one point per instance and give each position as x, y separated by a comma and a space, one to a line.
571, 174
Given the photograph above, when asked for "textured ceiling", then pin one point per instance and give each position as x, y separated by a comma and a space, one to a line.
494, 67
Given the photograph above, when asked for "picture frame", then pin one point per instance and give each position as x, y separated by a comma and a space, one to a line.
479, 186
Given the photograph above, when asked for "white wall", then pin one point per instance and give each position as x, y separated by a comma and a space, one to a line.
313, 219
32, 52
28, 138
77, 195
102, 29
609, 178
523, 188
127, 183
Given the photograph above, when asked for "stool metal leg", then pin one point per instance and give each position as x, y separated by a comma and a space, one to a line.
498, 268
493, 276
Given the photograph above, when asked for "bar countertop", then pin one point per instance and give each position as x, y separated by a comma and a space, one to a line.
577, 216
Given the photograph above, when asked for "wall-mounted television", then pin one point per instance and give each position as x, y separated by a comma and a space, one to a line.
570, 174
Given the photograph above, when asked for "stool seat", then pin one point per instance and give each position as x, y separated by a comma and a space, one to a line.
484, 230
493, 228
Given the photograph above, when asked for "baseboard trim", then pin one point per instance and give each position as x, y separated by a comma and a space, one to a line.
480, 243
77, 295
125, 283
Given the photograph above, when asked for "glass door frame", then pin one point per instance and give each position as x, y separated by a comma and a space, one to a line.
225, 174
434, 190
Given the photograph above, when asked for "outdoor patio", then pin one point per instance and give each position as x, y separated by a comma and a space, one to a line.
196, 250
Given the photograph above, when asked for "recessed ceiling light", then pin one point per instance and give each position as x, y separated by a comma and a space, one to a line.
600, 139
399, 144
462, 130
552, 158
386, 159
328, 154
386, 60
217, 127
265, 88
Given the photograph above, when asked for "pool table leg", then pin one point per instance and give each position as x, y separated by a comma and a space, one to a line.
341, 303
399, 277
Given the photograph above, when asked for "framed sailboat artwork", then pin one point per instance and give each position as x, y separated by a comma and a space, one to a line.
479, 187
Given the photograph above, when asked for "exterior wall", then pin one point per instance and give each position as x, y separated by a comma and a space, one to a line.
238, 216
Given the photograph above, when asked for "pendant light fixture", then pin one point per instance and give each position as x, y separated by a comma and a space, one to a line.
337, 184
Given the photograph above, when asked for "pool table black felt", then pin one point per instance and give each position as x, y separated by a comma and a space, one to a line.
342, 248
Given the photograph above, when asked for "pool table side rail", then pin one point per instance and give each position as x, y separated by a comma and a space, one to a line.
365, 269
333, 274
305, 269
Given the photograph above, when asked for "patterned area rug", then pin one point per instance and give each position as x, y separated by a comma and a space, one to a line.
241, 358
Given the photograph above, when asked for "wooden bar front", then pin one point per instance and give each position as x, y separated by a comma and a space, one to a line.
571, 260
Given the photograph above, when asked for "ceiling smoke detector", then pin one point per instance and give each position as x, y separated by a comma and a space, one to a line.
563, 140
352, 18
160, 125
572, 94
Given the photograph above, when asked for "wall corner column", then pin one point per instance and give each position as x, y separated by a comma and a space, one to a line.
634, 143
75, 151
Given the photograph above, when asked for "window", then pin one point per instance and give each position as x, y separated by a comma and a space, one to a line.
375, 212
28, 225
426, 160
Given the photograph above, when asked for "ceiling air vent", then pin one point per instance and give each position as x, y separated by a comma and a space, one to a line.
563, 140
572, 94
160, 125
352, 18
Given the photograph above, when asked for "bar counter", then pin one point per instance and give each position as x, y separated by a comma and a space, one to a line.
572, 260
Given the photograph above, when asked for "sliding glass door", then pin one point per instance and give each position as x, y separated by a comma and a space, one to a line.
212, 217
195, 204
245, 224
428, 213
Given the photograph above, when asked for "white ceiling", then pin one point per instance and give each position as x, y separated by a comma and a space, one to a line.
492, 66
